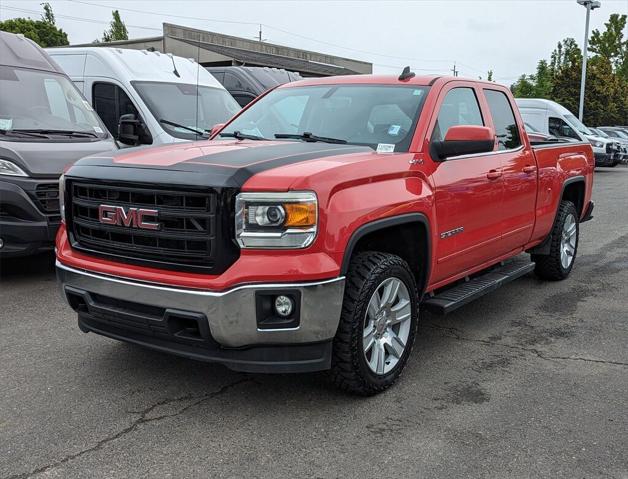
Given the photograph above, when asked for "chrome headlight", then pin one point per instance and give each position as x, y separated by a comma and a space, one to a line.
597, 144
62, 196
276, 220
10, 169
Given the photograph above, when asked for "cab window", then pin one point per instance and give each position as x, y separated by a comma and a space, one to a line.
504, 121
460, 107
111, 102
560, 128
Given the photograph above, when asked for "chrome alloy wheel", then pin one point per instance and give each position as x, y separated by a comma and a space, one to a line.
387, 325
568, 241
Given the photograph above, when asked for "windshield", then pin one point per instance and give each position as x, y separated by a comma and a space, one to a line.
621, 134
174, 105
599, 132
40, 101
371, 115
581, 127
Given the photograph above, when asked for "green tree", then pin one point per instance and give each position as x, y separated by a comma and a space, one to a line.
538, 85
606, 95
566, 64
44, 32
48, 16
610, 44
117, 29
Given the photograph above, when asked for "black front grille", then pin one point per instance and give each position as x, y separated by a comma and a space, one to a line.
48, 197
187, 237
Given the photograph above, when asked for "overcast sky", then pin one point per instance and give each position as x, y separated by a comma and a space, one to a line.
507, 36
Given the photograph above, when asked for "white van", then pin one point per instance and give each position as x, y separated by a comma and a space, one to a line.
554, 119
146, 97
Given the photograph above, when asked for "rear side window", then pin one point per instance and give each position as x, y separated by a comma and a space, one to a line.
504, 120
460, 107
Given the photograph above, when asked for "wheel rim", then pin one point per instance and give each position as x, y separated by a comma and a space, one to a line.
387, 326
568, 241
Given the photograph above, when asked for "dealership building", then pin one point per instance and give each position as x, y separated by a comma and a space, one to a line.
216, 49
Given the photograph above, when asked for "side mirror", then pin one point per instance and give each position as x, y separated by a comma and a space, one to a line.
215, 129
463, 140
131, 131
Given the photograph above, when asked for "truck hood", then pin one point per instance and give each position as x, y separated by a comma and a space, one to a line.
210, 163
48, 159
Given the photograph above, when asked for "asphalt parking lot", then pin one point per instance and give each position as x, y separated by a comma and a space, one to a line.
530, 381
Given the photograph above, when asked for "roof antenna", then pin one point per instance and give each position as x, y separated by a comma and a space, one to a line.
174, 66
406, 74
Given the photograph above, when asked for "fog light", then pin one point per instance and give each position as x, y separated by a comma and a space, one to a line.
284, 306
1, 243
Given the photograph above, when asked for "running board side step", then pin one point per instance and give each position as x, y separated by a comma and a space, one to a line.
451, 299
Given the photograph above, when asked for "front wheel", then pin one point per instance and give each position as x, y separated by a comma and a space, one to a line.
557, 265
378, 324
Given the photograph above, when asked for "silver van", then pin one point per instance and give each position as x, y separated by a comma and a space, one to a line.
45, 126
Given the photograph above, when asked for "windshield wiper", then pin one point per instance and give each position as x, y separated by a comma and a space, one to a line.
177, 125
77, 134
238, 135
22, 133
307, 136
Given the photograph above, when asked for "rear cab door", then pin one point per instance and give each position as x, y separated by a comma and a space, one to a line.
519, 168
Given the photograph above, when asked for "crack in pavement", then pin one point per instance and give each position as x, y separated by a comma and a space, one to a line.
142, 419
457, 334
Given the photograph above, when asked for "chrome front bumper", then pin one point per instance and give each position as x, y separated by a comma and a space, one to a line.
231, 315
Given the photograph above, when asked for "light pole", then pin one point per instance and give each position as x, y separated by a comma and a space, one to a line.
590, 5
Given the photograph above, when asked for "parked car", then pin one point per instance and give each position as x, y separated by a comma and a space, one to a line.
147, 98
308, 236
553, 119
45, 124
618, 136
247, 83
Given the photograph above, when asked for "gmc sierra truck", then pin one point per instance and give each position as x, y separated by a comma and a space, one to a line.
308, 233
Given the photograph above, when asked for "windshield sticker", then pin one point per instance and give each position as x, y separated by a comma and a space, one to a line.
6, 123
394, 130
98, 129
87, 105
417, 92
385, 148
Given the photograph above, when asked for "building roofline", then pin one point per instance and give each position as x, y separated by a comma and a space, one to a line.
256, 43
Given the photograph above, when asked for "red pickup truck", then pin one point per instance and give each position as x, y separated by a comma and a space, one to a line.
311, 230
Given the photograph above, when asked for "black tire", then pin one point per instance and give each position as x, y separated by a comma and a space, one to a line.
550, 266
349, 370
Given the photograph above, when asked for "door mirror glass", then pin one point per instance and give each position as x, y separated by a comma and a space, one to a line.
131, 131
463, 140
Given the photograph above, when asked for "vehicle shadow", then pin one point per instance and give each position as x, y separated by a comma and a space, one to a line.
27, 267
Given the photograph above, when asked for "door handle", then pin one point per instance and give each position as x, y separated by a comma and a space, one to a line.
494, 174
529, 169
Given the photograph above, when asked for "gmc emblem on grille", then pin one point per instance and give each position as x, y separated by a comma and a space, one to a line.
130, 218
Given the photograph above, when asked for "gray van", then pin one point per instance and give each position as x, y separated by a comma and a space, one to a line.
45, 125
247, 83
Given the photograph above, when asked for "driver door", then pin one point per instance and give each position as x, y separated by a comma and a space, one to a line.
468, 190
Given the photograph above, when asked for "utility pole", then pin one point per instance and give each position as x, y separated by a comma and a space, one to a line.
455, 72
259, 35
590, 5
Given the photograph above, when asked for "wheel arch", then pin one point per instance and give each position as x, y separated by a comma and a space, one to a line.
573, 188
414, 246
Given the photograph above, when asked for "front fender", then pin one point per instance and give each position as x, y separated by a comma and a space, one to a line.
361, 208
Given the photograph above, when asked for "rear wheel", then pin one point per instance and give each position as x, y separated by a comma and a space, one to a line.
377, 325
559, 262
